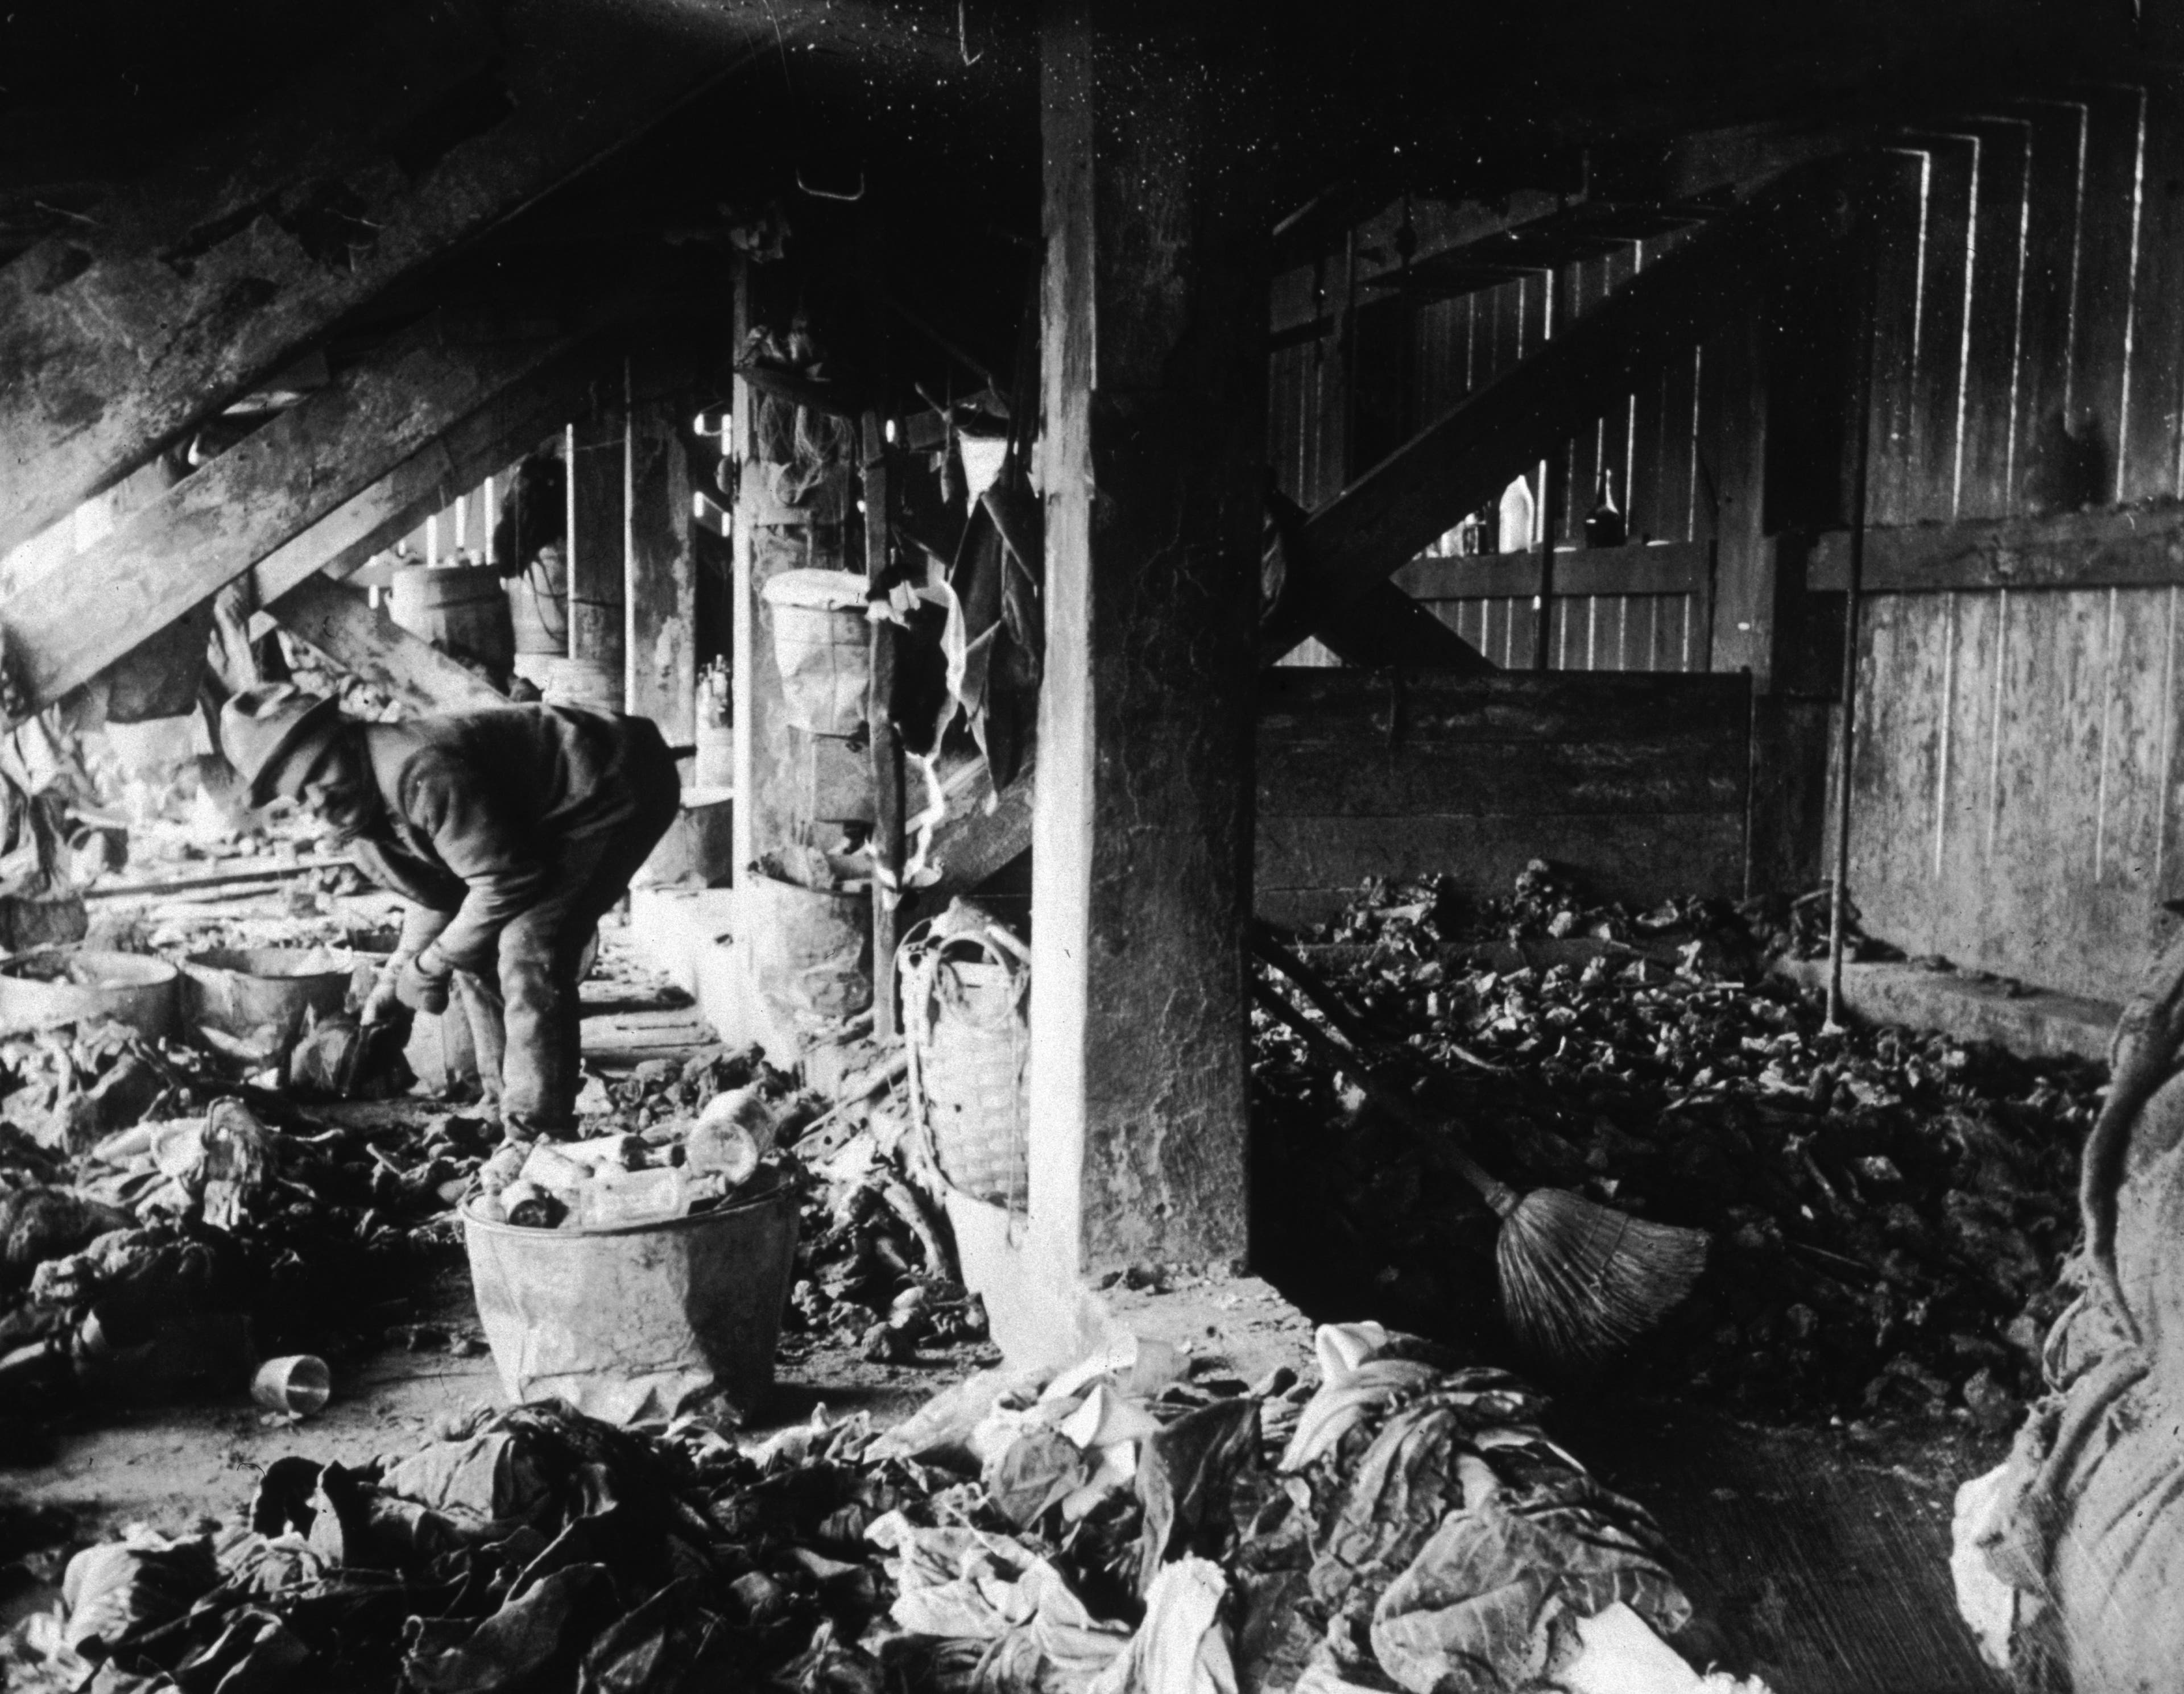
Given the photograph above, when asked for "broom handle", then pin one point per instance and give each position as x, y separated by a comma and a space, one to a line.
1392, 1101
1268, 947
1266, 943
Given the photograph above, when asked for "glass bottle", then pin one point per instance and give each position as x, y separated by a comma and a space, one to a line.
1604, 525
1518, 517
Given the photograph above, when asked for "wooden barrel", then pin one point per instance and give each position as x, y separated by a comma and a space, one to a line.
563, 681
461, 609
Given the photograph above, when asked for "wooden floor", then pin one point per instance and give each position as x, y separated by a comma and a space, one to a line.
1818, 1564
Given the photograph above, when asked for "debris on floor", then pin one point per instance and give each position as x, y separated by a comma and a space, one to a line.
131, 1255
176, 1211
1889, 1209
1138, 1522
875, 1260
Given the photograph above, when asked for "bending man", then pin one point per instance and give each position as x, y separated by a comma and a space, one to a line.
511, 831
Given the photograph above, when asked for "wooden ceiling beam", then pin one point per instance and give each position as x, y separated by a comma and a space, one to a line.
342, 624
295, 493
168, 302
510, 422
1351, 544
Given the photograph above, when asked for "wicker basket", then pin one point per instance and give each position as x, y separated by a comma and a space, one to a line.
965, 982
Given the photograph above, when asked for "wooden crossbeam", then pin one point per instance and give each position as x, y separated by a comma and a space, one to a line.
306, 466
2133, 547
1385, 626
1384, 518
167, 303
509, 421
342, 623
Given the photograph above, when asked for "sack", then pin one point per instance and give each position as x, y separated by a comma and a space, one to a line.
2083, 1529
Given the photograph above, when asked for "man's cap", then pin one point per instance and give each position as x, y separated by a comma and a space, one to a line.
271, 731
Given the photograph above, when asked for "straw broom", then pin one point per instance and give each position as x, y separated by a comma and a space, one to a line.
1580, 1281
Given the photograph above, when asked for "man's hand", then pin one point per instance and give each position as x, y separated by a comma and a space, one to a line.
380, 1003
420, 987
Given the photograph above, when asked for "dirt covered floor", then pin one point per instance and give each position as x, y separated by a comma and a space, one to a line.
1892, 1217
346, 1244
1890, 1211
1888, 1214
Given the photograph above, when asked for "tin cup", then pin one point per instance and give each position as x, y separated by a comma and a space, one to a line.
299, 1385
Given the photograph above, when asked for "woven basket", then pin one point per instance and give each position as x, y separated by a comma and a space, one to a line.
964, 990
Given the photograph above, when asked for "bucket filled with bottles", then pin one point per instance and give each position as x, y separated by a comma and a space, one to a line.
636, 1276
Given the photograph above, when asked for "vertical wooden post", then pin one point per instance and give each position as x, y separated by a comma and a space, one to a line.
1853, 591
660, 592
1335, 468
629, 567
1555, 496
597, 540
736, 444
1154, 380
569, 540
886, 742
1747, 619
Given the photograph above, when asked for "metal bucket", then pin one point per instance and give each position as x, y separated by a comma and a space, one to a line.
250, 1002
538, 608
644, 1321
53, 985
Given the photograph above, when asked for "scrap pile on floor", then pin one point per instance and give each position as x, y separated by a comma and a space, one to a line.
135, 1265
1126, 1526
1890, 1210
148, 1209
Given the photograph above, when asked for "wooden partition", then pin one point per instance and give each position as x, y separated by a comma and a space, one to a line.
1638, 784
2015, 800
1646, 607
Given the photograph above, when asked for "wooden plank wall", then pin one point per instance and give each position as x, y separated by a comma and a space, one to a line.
1639, 783
2015, 795
1410, 359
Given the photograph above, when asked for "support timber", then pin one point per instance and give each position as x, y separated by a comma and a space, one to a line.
1153, 319
170, 302
660, 591
342, 624
356, 458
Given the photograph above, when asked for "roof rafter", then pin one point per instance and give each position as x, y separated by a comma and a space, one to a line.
171, 300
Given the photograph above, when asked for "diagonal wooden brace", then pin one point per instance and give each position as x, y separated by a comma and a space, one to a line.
345, 472
1372, 527
173, 299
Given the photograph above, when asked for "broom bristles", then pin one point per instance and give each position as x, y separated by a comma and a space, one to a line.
1580, 1282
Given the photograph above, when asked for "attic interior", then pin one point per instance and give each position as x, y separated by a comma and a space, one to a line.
1416, 925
